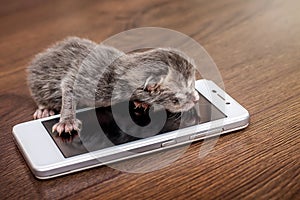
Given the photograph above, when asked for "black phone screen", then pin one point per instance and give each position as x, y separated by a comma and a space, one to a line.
106, 126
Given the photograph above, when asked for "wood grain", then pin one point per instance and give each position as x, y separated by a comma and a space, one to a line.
256, 46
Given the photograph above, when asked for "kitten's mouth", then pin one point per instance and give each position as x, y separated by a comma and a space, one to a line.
188, 107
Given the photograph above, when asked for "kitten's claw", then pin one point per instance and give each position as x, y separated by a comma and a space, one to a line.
145, 106
137, 104
67, 126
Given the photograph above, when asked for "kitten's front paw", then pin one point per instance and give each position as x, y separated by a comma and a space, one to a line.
67, 126
143, 105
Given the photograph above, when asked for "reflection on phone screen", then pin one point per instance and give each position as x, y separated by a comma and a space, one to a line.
100, 130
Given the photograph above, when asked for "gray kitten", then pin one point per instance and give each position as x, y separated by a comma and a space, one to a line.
78, 72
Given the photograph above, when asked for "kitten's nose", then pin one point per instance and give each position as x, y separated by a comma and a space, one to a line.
195, 97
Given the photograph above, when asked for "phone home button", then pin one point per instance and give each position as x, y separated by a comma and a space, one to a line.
168, 143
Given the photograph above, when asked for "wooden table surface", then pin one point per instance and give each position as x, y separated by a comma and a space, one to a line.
256, 46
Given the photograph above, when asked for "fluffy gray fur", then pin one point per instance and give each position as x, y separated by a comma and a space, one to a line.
78, 72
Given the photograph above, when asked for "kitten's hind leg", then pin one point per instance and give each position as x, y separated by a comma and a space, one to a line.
42, 112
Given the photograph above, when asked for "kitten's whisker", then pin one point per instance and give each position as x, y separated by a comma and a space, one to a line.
179, 116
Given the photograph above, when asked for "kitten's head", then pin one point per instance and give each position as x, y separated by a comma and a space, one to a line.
176, 89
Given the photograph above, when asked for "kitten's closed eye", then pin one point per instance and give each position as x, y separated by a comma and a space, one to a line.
175, 101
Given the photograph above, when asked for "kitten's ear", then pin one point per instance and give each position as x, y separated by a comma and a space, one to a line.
152, 84
171, 75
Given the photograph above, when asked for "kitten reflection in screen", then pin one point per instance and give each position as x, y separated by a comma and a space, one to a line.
162, 76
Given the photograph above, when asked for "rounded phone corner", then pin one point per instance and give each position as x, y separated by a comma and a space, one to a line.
15, 128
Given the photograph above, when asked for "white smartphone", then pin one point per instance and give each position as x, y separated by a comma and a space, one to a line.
109, 135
